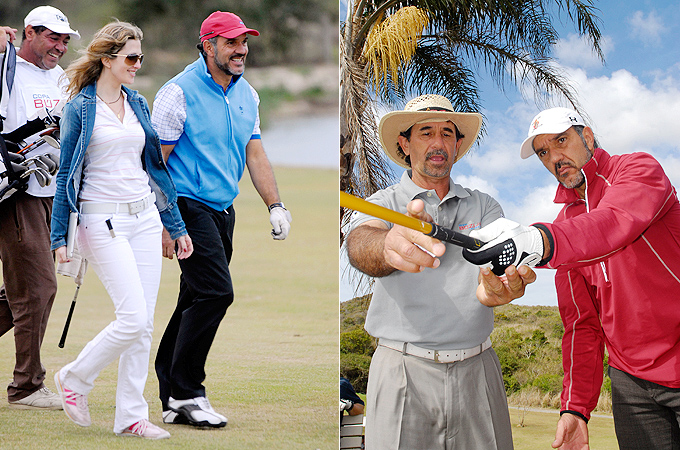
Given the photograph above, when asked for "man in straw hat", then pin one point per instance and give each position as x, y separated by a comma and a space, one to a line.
434, 381
615, 246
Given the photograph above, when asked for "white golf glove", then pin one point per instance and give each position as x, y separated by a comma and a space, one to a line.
280, 219
507, 243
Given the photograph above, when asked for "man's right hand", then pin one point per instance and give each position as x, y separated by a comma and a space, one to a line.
400, 251
6, 34
571, 434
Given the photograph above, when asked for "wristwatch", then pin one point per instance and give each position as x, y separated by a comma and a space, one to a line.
275, 205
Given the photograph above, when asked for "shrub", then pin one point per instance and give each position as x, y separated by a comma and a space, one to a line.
358, 341
551, 384
354, 367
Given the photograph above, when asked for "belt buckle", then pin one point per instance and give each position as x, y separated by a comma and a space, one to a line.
436, 356
136, 207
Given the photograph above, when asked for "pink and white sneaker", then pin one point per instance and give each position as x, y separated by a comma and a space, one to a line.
75, 405
145, 429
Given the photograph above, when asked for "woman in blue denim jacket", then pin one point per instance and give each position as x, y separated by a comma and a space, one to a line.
113, 175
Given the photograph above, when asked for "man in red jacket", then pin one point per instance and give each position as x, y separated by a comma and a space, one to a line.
616, 248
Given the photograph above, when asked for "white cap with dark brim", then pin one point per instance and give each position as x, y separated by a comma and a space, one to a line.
549, 121
50, 18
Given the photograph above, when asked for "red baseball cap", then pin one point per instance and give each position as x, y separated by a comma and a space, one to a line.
224, 24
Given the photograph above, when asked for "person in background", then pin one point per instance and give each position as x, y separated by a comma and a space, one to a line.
208, 121
112, 173
349, 400
30, 282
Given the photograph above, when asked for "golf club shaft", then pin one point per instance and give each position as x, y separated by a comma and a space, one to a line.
428, 228
62, 341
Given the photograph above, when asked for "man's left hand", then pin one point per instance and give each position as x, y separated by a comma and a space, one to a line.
496, 291
280, 219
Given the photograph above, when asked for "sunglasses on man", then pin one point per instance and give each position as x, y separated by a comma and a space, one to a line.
132, 58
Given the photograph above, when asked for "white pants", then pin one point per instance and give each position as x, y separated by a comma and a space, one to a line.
129, 267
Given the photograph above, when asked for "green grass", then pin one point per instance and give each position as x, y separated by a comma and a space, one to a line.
273, 369
539, 427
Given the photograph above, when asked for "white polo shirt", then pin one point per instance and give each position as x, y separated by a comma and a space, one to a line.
437, 308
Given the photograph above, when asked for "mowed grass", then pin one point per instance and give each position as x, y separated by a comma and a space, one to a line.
538, 431
273, 368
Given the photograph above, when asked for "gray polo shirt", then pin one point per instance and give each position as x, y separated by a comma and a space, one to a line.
436, 308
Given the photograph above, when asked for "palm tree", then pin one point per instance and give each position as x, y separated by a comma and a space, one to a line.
393, 48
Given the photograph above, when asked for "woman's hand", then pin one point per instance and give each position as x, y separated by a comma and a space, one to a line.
61, 255
184, 247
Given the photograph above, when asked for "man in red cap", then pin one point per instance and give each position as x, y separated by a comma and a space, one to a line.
208, 122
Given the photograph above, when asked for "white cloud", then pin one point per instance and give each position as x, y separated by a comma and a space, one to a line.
536, 206
629, 116
648, 29
474, 182
576, 51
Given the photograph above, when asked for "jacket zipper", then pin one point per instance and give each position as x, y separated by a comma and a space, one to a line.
602, 266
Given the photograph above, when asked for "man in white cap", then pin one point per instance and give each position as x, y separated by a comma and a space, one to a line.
27, 262
616, 248
434, 382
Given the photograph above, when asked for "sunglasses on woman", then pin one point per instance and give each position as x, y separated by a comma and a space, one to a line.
132, 58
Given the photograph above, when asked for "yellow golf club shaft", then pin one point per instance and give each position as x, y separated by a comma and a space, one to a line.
428, 228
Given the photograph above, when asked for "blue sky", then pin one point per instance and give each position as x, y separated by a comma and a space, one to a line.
632, 103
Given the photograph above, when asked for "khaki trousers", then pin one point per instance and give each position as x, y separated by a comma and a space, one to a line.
30, 285
414, 403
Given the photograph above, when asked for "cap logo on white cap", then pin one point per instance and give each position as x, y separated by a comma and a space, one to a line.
61, 18
535, 124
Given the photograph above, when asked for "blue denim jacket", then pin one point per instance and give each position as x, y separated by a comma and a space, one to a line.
76, 127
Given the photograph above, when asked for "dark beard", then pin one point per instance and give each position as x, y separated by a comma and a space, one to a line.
225, 67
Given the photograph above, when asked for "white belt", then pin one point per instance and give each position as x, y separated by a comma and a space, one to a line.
131, 208
439, 356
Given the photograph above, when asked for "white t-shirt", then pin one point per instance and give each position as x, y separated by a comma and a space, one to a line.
34, 89
112, 167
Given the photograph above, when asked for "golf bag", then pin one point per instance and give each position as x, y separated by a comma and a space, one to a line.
18, 168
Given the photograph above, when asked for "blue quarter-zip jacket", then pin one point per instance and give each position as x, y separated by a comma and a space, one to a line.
209, 158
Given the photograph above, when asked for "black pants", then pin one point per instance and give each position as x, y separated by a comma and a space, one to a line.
205, 293
646, 415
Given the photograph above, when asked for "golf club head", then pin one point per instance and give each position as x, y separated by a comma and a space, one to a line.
54, 159
43, 162
36, 162
49, 161
51, 136
41, 175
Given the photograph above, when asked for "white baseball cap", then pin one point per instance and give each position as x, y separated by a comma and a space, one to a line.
51, 18
549, 121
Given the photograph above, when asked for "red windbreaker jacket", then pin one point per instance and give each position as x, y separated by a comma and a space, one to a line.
617, 255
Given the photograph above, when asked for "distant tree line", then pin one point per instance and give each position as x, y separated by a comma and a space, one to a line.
292, 32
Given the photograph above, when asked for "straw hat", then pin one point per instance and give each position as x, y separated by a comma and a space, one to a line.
424, 109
